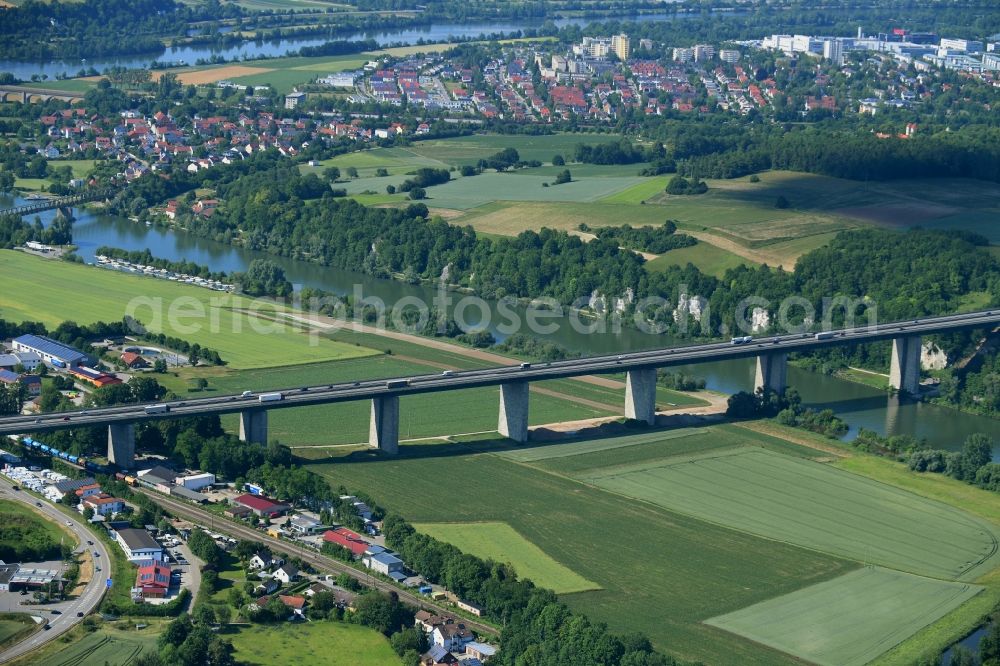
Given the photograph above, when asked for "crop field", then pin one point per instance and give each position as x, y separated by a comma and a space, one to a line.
282, 73
471, 149
585, 447
199, 315
983, 222
848, 621
321, 643
464, 193
104, 646
662, 573
395, 160
580, 458
510, 219
639, 192
285, 5
501, 543
815, 506
282, 80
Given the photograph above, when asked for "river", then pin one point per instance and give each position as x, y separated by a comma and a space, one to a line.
859, 405
429, 33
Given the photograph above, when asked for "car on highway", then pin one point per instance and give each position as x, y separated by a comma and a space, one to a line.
89, 542
96, 554
65, 418
56, 612
79, 613
38, 503
447, 373
69, 523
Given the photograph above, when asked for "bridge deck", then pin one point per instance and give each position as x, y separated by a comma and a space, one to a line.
494, 376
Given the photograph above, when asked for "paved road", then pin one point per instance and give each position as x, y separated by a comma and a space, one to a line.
322, 563
85, 603
608, 364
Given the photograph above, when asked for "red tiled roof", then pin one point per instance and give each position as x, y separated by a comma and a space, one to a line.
346, 538
295, 602
257, 502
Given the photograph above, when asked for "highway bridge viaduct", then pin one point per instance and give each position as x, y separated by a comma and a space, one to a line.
771, 354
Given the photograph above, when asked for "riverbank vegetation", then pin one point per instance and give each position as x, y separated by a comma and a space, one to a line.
786, 407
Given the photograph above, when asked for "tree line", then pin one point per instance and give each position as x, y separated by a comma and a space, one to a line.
537, 628
645, 239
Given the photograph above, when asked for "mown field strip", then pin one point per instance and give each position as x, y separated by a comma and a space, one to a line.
592, 445
501, 543
850, 620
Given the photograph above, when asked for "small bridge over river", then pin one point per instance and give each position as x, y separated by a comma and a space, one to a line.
62, 203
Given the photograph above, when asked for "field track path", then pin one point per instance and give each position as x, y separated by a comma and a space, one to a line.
759, 256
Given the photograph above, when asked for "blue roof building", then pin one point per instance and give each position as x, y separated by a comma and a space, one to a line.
384, 563
50, 350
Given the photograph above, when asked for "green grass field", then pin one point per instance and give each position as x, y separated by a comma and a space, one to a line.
705, 256
14, 627
816, 506
661, 572
848, 621
10, 509
312, 644
191, 313
81, 168
501, 543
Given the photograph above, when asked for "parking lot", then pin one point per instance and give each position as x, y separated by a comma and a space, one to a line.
185, 569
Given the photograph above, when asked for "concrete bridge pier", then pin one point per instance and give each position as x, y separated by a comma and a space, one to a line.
904, 371
383, 432
121, 444
772, 371
640, 395
253, 426
514, 411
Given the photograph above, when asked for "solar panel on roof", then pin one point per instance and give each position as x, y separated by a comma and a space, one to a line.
50, 347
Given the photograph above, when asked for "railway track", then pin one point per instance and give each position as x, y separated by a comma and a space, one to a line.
315, 559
